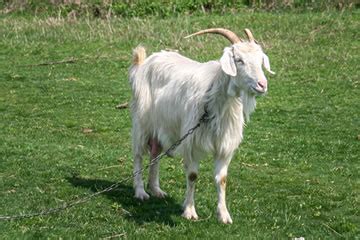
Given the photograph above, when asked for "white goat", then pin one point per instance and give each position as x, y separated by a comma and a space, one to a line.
170, 94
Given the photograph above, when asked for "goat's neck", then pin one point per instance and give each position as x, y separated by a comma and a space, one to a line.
223, 106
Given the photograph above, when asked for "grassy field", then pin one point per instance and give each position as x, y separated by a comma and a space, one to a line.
295, 174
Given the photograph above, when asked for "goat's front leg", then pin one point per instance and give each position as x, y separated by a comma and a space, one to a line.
221, 168
154, 183
189, 203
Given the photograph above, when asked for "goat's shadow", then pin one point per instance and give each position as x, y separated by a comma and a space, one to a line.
152, 210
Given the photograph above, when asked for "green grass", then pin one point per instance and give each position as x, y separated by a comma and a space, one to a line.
295, 174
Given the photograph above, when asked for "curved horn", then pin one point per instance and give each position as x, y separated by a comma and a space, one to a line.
232, 37
249, 35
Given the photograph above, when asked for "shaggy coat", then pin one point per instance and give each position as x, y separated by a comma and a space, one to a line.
171, 93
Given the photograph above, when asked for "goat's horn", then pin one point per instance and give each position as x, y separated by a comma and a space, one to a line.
249, 35
232, 37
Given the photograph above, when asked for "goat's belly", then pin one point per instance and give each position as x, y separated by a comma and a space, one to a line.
195, 144
167, 137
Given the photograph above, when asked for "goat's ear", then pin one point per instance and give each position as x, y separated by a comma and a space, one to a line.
266, 63
227, 62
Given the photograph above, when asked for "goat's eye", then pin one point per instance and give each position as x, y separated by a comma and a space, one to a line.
239, 60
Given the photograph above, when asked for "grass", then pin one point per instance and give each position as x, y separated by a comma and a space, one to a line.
295, 174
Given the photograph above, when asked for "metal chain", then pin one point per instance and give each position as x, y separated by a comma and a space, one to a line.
205, 118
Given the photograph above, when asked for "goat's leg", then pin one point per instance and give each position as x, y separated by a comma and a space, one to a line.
221, 168
189, 203
154, 184
138, 181
139, 147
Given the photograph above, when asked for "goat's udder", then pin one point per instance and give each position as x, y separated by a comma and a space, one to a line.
155, 147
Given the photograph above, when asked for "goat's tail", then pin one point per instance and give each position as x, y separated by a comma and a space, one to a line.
139, 55
139, 83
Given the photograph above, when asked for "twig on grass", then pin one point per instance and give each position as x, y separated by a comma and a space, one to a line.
333, 230
254, 165
126, 212
122, 105
115, 236
249, 165
113, 166
73, 60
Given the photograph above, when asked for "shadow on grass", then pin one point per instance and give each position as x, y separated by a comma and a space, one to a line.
152, 210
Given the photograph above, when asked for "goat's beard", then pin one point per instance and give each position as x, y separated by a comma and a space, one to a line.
249, 103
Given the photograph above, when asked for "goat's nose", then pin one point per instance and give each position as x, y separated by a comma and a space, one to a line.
263, 83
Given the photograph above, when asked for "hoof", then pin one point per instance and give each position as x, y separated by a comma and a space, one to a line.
224, 217
190, 213
157, 192
141, 194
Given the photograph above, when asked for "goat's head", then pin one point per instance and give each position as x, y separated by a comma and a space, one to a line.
243, 61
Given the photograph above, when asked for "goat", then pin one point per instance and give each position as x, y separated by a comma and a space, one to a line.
170, 94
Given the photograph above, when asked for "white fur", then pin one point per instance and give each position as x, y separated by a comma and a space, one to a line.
170, 92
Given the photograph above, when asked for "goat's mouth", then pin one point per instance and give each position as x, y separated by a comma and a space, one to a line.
259, 90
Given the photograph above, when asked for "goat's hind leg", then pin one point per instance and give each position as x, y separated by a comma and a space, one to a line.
139, 146
154, 183
138, 181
